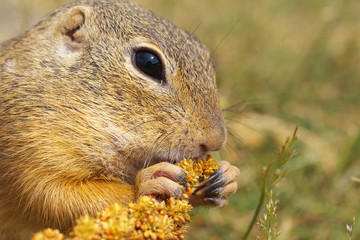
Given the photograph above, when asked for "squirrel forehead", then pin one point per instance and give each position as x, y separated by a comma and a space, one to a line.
126, 21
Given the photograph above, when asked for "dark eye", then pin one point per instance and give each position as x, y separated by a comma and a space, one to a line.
150, 64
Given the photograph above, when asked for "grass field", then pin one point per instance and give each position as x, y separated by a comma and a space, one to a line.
278, 63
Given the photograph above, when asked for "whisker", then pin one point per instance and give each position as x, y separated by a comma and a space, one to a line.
166, 137
176, 156
232, 108
178, 151
187, 39
140, 124
188, 156
184, 153
147, 157
244, 104
225, 36
222, 40
237, 139
157, 143
233, 112
231, 148
169, 152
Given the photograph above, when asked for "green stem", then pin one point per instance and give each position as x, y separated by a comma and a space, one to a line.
284, 155
260, 204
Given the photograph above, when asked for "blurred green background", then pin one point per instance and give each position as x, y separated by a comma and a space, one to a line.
278, 63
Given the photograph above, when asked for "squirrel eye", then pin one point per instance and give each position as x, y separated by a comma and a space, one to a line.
150, 64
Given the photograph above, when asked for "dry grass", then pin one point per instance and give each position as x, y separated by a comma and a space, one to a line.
284, 62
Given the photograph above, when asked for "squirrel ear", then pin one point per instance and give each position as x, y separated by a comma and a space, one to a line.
70, 27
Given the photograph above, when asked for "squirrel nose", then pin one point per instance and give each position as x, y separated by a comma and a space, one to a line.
214, 140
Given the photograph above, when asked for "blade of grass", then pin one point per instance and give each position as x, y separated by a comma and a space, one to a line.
273, 174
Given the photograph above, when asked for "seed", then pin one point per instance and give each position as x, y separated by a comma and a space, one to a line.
143, 228
182, 219
160, 236
147, 234
189, 192
150, 218
153, 236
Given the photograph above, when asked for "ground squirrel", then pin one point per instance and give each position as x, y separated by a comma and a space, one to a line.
97, 101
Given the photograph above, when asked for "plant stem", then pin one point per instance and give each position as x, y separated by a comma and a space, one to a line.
260, 204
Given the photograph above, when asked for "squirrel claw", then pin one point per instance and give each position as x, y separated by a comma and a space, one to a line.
214, 190
213, 177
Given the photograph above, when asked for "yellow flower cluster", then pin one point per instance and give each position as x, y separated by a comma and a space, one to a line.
48, 234
198, 171
149, 218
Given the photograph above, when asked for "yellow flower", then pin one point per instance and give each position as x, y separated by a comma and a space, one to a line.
149, 218
198, 171
48, 234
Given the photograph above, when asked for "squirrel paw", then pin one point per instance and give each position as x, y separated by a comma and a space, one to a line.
214, 190
161, 179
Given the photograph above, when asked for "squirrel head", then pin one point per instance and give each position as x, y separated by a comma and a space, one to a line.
123, 88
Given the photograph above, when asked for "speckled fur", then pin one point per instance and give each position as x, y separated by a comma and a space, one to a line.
77, 123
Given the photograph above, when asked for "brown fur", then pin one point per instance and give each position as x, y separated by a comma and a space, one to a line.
78, 123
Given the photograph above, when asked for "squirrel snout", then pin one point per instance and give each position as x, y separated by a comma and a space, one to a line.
214, 140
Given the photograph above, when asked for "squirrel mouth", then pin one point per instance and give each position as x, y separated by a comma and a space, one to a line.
170, 160
173, 160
